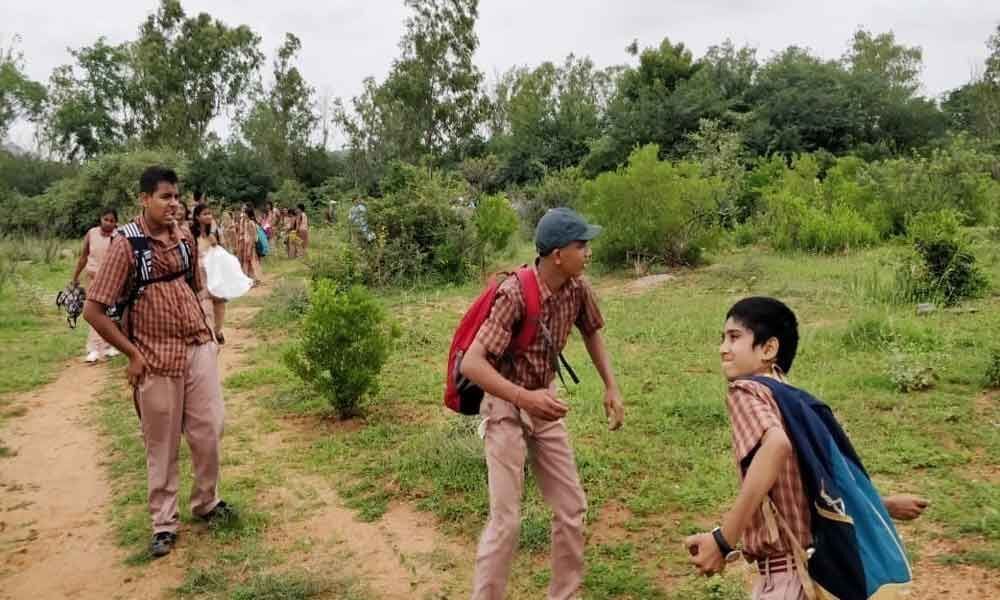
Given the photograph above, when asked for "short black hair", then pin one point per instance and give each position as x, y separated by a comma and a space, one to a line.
153, 176
110, 210
302, 207
769, 318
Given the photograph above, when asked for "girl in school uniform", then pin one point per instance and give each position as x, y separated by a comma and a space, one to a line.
95, 244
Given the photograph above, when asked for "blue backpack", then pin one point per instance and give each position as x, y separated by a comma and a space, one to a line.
262, 246
857, 552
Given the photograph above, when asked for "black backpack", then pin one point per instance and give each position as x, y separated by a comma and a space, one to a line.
142, 255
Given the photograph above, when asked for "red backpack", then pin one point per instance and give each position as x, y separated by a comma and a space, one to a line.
460, 394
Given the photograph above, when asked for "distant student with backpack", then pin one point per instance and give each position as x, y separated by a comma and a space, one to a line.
246, 243
95, 245
173, 365
523, 415
807, 513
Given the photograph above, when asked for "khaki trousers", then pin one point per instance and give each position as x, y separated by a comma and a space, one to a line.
779, 586
192, 405
509, 436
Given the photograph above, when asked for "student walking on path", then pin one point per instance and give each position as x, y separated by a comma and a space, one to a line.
205, 232
302, 229
522, 414
246, 243
95, 245
173, 363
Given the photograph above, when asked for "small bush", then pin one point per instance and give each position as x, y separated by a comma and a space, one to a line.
559, 188
993, 371
654, 210
343, 264
496, 221
946, 270
345, 342
910, 373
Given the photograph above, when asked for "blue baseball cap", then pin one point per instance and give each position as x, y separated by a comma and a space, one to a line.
559, 227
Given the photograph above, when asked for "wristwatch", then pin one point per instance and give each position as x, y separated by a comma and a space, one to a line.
727, 551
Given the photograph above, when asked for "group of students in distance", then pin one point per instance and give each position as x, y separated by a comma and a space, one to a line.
807, 515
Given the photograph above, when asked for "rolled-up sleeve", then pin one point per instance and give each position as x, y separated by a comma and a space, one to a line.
589, 320
108, 285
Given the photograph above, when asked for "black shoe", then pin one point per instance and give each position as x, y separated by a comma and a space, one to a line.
162, 543
221, 513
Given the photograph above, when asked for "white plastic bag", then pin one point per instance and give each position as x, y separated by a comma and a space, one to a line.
224, 277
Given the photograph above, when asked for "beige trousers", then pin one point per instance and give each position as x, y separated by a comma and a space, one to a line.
510, 435
779, 586
191, 405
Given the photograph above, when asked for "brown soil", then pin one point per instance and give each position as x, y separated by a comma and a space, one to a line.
55, 539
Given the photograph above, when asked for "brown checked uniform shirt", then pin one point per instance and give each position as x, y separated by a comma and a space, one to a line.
753, 411
167, 317
574, 304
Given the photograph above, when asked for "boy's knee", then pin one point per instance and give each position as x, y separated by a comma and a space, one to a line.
571, 509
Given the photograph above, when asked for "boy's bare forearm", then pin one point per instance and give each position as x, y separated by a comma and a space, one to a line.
760, 478
481, 372
95, 314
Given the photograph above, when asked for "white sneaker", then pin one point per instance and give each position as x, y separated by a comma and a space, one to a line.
93, 357
112, 352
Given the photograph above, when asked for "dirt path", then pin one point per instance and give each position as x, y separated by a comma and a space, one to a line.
56, 541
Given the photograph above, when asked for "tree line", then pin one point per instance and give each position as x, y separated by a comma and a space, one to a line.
435, 108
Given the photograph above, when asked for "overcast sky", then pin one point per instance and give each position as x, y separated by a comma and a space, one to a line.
345, 41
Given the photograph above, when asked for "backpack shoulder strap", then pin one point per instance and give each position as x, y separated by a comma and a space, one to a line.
532, 307
141, 254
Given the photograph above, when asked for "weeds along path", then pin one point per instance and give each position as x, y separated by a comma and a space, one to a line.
55, 539
400, 555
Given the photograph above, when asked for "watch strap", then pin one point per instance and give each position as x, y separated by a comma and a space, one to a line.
724, 548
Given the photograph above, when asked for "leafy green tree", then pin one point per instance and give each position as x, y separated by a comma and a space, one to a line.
880, 56
19, 95
430, 104
163, 88
234, 173
281, 120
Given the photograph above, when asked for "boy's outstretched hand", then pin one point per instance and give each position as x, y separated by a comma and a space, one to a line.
905, 507
705, 555
613, 408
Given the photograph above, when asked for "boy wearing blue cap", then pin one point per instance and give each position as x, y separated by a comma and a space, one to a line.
522, 412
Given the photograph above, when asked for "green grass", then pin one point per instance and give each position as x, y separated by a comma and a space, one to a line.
671, 466
33, 332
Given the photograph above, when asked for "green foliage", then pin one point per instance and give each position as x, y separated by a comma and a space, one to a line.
291, 194
992, 379
910, 373
558, 188
30, 175
343, 265
345, 341
233, 173
281, 119
19, 95
496, 221
653, 210
70, 206
947, 270
163, 88
422, 228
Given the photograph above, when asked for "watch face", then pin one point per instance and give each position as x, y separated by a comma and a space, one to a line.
733, 556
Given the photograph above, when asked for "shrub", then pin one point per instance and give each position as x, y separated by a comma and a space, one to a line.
910, 373
654, 210
946, 270
495, 221
559, 188
345, 342
993, 371
71, 206
422, 228
343, 264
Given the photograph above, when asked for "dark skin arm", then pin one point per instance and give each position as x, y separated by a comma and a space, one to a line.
774, 450
81, 263
613, 406
538, 403
95, 314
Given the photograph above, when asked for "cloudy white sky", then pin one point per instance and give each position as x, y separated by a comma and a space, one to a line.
343, 41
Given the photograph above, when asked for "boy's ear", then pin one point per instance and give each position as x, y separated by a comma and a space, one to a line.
771, 349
